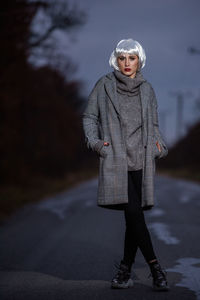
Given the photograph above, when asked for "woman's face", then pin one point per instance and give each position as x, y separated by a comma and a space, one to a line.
128, 64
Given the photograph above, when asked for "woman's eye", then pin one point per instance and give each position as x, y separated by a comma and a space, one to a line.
132, 58
121, 58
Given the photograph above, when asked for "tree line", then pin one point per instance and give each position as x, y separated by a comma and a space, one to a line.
40, 110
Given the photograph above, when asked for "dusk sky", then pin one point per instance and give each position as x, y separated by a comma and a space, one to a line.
164, 28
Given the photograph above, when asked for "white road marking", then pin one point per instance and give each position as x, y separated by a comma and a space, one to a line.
60, 203
156, 212
162, 232
191, 273
188, 190
184, 198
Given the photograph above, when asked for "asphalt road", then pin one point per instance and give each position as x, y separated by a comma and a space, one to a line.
65, 247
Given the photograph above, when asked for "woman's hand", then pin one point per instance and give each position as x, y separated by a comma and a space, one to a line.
106, 144
158, 145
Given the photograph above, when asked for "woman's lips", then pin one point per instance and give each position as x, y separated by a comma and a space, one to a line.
127, 69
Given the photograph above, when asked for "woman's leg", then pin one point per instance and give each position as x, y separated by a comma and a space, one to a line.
137, 234
130, 243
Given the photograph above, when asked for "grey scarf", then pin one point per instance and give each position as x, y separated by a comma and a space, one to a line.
127, 85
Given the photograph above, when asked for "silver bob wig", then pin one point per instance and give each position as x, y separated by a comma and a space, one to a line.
128, 46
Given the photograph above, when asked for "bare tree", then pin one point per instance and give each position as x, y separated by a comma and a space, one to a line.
61, 17
51, 26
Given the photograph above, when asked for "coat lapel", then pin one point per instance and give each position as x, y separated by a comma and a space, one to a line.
144, 102
144, 99
111, 89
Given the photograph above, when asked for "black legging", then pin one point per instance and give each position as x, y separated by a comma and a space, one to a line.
136, 234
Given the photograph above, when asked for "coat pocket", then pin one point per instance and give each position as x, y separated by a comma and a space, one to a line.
101, 149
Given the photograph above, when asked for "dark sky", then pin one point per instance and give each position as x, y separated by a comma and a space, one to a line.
165, 28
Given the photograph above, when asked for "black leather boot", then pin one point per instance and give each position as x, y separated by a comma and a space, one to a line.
122, 278
159, 277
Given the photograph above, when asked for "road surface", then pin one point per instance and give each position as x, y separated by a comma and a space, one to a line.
65, 247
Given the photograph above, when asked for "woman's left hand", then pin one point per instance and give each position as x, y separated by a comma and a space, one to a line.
158, 145
106, 144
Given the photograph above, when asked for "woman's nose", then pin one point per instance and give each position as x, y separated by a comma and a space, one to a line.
127, 62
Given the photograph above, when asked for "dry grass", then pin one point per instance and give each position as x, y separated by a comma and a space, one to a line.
13, 197
189, 174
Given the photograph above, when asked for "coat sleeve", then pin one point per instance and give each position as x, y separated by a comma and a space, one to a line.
91, 120
164, 149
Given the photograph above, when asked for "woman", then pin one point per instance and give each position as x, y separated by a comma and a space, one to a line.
121, 124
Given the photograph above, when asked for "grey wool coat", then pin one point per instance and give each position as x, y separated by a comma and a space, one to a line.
102, 122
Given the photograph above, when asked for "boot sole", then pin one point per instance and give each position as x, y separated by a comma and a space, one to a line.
126, 285
160, 289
